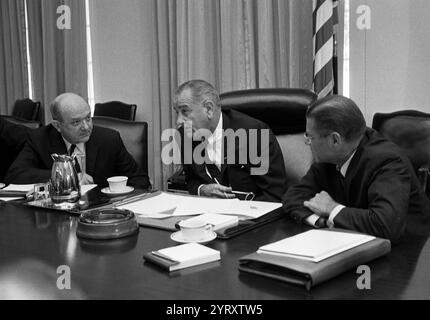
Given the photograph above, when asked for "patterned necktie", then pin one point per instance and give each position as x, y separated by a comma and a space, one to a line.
77, 166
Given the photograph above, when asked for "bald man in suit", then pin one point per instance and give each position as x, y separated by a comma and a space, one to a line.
102, 151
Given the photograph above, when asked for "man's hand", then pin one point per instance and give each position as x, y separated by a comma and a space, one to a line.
322, 204
216, 190
85, 179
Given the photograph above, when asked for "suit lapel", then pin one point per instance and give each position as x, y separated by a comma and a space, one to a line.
353, 165
57, 144
352, 169
91, 151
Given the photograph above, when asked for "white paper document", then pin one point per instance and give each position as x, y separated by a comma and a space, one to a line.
253, 209
200, 205
158, 207
167, 205
19, 187
315, 245
218, 221
87, 187
9, 199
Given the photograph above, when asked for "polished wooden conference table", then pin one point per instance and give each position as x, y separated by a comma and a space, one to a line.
115, 269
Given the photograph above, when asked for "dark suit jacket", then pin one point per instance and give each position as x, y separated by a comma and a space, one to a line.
268, 187
12, 139
106, 156
379, 190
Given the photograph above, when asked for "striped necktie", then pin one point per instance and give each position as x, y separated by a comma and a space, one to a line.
77, 166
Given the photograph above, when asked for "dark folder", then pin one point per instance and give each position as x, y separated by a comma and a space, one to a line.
308, 273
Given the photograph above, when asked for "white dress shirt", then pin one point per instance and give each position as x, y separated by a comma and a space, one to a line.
214, 148
79, 152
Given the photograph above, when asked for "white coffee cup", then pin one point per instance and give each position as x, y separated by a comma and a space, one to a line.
117, 184
195, 230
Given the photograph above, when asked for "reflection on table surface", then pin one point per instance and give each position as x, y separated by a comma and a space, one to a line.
115, 269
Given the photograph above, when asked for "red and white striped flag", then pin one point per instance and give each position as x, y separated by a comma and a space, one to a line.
325, 20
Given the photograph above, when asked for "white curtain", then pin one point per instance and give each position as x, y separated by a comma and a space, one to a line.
13, 54
58, 56
142, 50
233, 44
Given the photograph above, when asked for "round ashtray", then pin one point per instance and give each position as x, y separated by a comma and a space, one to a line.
107, 224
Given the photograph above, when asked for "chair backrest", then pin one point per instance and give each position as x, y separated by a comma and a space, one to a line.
410, 130
28, 123
284, 111
26, 109
134, 135
13, 137
116, 109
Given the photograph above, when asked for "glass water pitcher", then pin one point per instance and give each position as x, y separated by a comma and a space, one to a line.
65, 188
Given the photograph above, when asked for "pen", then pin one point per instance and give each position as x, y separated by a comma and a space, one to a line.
239, 192
225, 194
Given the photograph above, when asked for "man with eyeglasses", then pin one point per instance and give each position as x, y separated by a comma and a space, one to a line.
100, 152
359, 180
221, 165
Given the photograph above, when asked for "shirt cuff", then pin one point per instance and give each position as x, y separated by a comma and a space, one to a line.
312, 219
198, 189
333, 214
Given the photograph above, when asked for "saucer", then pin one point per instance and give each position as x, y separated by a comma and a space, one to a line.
127, 190
178, 237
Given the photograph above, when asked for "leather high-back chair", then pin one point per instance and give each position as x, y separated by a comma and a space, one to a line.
26, 109
13, 136
134, 135
410, 130
116, 109
284, 111
28, 123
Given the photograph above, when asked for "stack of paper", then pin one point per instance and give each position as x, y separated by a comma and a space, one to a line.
218, 221
19, 187
315, 256
87, 187
166, 205
315, 245
157, 207
183, 256
15, 191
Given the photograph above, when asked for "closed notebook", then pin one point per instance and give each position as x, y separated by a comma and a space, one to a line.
182, 256
298, 268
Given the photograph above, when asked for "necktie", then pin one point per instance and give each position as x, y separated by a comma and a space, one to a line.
77, 166
214, 172
342, 187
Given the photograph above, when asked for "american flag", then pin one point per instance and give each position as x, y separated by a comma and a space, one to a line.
325, 20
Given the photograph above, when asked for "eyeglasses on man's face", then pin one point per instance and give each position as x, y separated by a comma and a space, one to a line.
309, 138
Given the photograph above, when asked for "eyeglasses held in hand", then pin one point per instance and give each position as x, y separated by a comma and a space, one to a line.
247, 196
